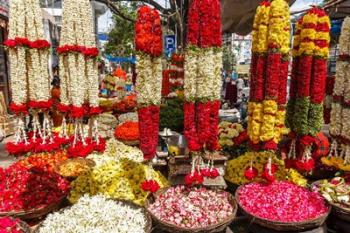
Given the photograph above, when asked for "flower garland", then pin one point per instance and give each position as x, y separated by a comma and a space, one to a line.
202, 83
79, 72
340, 113
269, 67
148, 40
308, 87
28, 53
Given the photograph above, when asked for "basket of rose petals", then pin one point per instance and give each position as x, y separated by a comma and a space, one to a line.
337, 193
11, 225
282, 206
190, 209
29, 193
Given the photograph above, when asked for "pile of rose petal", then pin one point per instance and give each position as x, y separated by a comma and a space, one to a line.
10, 225
192, 207
281, 201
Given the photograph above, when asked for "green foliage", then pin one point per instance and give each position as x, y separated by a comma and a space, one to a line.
121, 37
171, 115
228, 58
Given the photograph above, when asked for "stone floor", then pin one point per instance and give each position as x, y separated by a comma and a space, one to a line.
5, 160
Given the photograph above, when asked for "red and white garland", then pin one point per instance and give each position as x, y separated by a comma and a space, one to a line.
30, 81
149, 46
202, 85
79, 73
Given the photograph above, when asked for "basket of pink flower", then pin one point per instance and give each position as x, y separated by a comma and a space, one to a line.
190, 209
282, 206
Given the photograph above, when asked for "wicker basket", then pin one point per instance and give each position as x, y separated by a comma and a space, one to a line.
284, 226
337, 210
32, 214
173, 228
148, 227
90, 163
131, 142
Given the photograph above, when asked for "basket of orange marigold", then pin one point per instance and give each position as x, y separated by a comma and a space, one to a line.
128, 133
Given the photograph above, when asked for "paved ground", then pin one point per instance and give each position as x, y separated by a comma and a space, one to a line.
5, 160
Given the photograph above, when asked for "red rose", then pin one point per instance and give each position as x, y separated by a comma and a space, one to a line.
150, 186
10, 43
22, 41
77, 112
250, 173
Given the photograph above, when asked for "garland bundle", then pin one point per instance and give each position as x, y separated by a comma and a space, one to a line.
148, 39
269, 72
308, 86
79, 73
202, 83
340, 113
30, 82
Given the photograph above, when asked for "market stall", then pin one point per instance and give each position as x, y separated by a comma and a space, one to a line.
165, 155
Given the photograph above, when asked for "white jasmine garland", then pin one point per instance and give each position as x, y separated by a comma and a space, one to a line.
341, 67
345, 118
191, 70
96, 214
217, 80
344, 38
149, 75
205, 74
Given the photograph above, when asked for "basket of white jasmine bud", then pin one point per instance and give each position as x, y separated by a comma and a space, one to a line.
183, 209
92, 214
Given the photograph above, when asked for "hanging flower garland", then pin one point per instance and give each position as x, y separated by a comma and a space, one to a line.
202, 84
148, 41
28, 53
79, 76
308, 88
266, 108
340, 113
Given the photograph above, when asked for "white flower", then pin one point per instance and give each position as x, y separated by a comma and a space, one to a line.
336, 121
96, 214
344, 38
149, 76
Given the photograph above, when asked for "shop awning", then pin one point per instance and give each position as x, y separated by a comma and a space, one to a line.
238, 15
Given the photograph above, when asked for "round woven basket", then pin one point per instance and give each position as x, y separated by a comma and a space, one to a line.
90, 163
131, 142
337, 210
148, 227
32, 214
173, 228
284, 226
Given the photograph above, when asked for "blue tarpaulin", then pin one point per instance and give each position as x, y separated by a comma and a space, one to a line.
131, 60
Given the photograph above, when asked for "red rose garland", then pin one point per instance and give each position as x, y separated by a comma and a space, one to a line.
190, 129
201, 113
148, 32
148, 40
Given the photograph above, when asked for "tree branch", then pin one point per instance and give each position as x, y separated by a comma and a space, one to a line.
150, 2
115, 10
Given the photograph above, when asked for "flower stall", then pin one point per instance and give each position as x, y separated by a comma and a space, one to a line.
100, 171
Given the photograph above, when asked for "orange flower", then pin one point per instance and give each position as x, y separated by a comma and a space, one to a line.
127, 131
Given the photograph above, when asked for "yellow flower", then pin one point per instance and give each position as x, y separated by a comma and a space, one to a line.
278, 34
255, 121
261, 45
322, 36
269, 120
235, 168
119, 180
